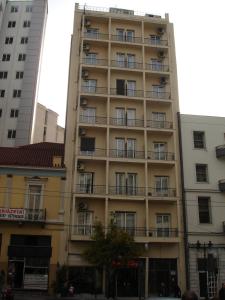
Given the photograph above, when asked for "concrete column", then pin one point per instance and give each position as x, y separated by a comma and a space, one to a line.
146, 276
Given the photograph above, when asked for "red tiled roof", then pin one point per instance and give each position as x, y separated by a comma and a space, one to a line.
36, 155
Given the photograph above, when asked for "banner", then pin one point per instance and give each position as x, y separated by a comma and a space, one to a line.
12, 214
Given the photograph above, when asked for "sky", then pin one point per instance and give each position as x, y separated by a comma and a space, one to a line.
200, 51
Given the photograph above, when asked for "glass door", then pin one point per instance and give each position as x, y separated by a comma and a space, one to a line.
120, 117
120, 183
160, 151
120, 34
161, 185
86, 182
156, 65
88, 115
158, 91
120, 60
130, 223
130, 36
131, 117
131, 61
91, 58
163, 225
84, 222
132, 183
158, 119
131, 88
120, 147
90, 86
131, 148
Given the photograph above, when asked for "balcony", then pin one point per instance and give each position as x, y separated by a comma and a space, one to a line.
23, 215
97, 152
126, 190
95, 61
126, 122
127, 92
157, 67
131, 154
163, 232
93, 90
166, 156
93, 120
155, 42
96, 35
126, 39
158, 95
220, 151
161, 192
159, 124
221, 185
126, 64
90, 189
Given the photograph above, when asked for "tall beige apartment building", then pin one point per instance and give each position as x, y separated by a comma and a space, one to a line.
122, 149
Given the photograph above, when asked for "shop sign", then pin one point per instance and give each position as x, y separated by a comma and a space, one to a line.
12, 214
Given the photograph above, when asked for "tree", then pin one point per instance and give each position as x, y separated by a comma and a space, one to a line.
114, 248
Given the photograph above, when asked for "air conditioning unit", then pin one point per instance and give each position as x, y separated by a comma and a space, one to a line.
83, 102
161, 54
82, 131
82, 205
86, 47
85, 74
160, 30
87, 23
163, 80
80, 166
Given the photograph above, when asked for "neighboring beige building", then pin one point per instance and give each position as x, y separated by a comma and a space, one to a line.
203, 139
46, 128
122, 152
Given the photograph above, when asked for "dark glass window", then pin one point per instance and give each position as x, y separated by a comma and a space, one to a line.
204, 210
201, 173
199, 139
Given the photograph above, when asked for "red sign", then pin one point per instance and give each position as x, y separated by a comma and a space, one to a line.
130, 264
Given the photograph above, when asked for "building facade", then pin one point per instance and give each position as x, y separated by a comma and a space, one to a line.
46, 128
203, 140
22, 26
122, 146
32, 195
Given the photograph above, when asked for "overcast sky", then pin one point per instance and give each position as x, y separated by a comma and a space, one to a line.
200, 50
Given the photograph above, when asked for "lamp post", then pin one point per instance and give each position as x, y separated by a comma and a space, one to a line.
205, 246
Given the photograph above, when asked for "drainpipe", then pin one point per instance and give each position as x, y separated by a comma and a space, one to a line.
183, 201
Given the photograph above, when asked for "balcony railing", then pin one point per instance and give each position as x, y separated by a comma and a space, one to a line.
127, 122
93, 120
157, 95
126, 64
94, 90
23, 214
155, 42
127, 39
220, 151
84, 230
159, 124
127, 92
160, 155
95, 61
96, 35
127, 190
157, 67
161, 192
163, 232
90, 189
97, 152
126, 153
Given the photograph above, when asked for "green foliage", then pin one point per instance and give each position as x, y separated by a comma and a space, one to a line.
115, 245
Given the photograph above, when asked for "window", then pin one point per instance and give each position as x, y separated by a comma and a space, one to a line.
3, 74
14, 113
158, 91
21, 57
92, 33
19, 75
163, 225
84, 222
124, 35
88, 115
6, 57
87, 145
155, 39
204, 210
11, 133
158, 119
126, 183
14, 9
156, 64
125, 61
125, 117
0, 112
199, 139
125, 148
16, 93
24, 40
11, 24
90, 86
159, 151
8, 40
28, 8
86, 182
34, 196
91, 58
26, 24
131, 88
2, 93
124, 87
161, 185
126, 221
201, 172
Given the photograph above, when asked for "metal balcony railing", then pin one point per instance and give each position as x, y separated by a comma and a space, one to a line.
127, 92
126, 154
160, 155
125, 38
126, 64
157, 67
93, 90
157, 95
90, 189
165, 232
155, 42
93, 120
35, 215
97, 152
96, 35
159, 124
127, 122
84, 230
127, 190
95, 61
161, 192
